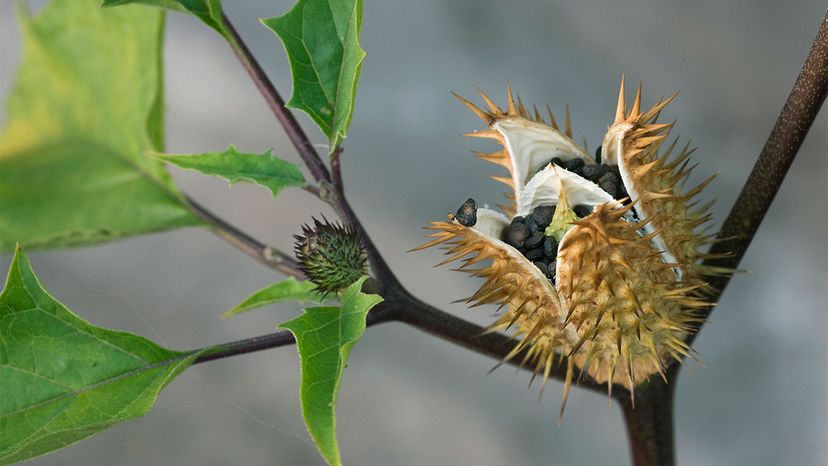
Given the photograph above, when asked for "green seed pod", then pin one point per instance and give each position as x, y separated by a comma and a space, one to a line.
330, 255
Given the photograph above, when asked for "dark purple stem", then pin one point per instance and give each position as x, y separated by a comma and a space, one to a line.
649, 424
786, 137
263, 253
294, 132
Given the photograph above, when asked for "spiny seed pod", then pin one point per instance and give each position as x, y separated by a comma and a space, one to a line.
330, 255
614, 286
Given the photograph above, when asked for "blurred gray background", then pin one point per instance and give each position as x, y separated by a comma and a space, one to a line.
760, 397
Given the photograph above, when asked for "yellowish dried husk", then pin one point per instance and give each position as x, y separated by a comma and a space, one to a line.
654, 179
626, 289
624, 301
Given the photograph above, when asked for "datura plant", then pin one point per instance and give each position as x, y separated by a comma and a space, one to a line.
599, 263
596, 260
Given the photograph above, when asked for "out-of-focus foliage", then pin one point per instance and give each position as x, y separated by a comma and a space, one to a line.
86, 106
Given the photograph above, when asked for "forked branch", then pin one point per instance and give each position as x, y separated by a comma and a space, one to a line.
786, 137
650, 424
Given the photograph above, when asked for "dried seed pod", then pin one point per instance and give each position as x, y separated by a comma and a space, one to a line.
627, 278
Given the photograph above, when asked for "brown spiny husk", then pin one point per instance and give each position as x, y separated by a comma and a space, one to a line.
628, 280
630, 313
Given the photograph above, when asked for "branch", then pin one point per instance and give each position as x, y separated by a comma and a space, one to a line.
336, 171
793, 124
765, 179
294, 132
248, 345
401, 305
649, 426
388, 282
274, 340
474, 337
332, 195
263, 253
649, 423
418, 315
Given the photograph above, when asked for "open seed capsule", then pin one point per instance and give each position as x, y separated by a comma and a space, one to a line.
627, 279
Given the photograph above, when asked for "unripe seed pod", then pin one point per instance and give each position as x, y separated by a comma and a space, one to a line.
330, 255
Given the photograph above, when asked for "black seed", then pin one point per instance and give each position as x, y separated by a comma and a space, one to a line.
550, 247
542, 267
594, 172
467, 213
531, 225
574, 165
557, 161
609, 175
598, 155
533, 241
543, 215
534, 254
582, 210
516, 233
551, 269
609, 183
622, 191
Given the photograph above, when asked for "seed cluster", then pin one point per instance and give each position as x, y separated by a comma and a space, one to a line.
526, 233
607, 177
622, 294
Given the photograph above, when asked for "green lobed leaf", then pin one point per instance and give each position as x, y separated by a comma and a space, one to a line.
263, 169
63, 379
286, 290
86, 105
324, 338
321, 38
208, 11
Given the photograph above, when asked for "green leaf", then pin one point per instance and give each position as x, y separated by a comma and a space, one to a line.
86, 105
63, 379
263, 169
286, 290
208, 11
321, 38
324, 337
